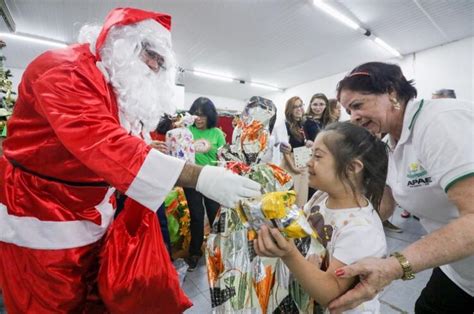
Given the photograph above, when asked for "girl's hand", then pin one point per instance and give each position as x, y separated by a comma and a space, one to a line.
271, 243
374, 275
309, 144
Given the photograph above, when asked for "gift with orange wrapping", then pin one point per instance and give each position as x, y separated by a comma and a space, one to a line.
179, 220
251, 136
239, 280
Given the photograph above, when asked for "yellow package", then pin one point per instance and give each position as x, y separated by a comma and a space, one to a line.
274, 204
276, 210
295, 224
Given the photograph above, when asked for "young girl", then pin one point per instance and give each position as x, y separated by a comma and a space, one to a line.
349, 167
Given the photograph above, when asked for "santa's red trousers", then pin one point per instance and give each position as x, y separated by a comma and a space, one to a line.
50, 281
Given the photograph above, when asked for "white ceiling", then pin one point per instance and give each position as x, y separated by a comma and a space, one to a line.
279, 42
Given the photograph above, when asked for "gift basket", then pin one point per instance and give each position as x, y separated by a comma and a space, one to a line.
239, 280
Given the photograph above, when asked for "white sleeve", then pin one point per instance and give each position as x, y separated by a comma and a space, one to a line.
446, 145
356, 242
155, 179
281, 135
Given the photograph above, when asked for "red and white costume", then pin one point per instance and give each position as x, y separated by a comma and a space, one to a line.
64, 156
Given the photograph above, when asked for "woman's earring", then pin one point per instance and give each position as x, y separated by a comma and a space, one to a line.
395, 103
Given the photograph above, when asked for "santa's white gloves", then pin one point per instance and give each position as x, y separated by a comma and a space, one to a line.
225, 187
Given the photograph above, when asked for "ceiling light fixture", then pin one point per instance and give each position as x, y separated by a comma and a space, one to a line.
386, 46
347, 21
265, 86
33, 39
335, 14
212, 76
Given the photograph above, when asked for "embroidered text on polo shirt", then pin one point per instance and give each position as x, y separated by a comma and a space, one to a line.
417, 175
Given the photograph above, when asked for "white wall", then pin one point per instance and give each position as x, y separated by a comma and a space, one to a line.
447, 66
220, 102
16, 78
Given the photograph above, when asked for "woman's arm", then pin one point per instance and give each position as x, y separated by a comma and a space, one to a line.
323, 286
452, 242
290, 162
447, 244
387, 206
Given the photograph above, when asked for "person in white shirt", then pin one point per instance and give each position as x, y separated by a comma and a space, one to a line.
431, 172
348, 167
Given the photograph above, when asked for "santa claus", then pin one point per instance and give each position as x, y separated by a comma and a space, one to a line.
76, 135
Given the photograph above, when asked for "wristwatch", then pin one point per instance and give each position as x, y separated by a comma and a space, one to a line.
406, 266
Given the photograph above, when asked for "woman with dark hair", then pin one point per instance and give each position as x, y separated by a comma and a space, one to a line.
431, 171
207, 140
297, 138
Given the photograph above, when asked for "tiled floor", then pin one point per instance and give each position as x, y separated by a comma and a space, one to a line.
399, 297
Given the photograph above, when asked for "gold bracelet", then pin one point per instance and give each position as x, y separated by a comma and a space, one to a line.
406, 266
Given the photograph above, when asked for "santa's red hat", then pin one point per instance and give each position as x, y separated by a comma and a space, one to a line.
127, 16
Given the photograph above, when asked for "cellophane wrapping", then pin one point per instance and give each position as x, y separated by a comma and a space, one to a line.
239, 280
180, 140
179, 219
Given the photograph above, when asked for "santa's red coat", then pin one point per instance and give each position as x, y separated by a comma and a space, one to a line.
64, 152
64, 156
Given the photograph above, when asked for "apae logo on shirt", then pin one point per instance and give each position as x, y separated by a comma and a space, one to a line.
417, 175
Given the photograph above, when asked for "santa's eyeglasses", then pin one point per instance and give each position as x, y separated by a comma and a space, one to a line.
150, 55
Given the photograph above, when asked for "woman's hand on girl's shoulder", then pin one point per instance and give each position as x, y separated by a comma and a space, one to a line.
271, 243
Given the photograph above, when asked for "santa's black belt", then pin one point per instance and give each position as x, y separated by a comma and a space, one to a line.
48, 178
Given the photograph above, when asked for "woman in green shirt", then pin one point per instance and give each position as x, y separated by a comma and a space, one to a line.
207, 140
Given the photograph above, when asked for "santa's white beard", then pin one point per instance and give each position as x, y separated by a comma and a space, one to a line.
143, 95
